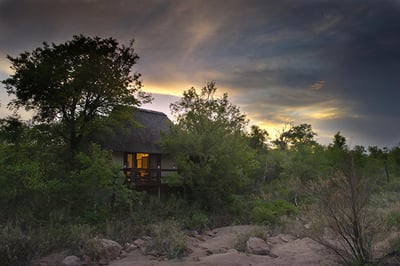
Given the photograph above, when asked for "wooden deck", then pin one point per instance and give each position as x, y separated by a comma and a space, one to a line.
146, 177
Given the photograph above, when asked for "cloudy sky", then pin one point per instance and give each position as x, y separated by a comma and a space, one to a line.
332, 64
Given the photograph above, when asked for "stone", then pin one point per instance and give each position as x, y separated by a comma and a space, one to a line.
221, 250
111, 249
284, 239
257, 246
71, 261
123, 254
140, 243
103, 261
130, 247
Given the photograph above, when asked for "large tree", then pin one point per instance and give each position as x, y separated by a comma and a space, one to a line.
301, 134
210, 147
74, 82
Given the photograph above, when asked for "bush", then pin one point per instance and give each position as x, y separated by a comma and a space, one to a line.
393, 219
344, 208
18, 246
126, 230
167, 240
240, 209
93, 248
269, 212
198, 221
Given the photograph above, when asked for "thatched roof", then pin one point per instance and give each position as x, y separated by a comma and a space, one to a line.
144, 137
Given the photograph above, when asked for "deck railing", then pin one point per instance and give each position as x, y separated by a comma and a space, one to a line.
146, 177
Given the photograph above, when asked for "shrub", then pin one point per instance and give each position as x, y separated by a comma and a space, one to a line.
93, 248
126, 230
240, 209
198, 221
344, 207
269, 212
18, 246
393, 219
167, 240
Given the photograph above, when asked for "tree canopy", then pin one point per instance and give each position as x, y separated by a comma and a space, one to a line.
295, 135
210, 147
74, 82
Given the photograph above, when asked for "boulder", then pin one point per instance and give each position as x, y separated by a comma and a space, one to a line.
140, 243
130, 247
111, 249
257, 246
71, 261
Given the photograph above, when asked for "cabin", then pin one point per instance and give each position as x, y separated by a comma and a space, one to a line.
137, 149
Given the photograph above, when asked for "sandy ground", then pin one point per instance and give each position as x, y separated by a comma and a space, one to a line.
216, 248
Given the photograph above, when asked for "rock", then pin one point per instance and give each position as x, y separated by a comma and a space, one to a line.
211, 233
103, 261
130, 247
198, 237
111, 249
307, 226
123, 254
191, 233
140, 243
257, 246
284, 239
219, 250
71, 261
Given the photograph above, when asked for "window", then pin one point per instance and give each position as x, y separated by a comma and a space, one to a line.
142, 160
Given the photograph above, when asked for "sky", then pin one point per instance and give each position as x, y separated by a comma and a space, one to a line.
332, 64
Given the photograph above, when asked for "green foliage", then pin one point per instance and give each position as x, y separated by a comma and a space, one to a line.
305, 163
75, 82
393, 219
240, 209
15, 246
198, 221
93, 248
125, 230
210, 148
18, 246
257, 138
269, 212
175, 179
296, 134
167, 240
393, 185
95, 187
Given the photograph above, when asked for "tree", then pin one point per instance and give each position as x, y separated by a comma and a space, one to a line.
339, 141
12, 130
258, 137
75, 82
210, 147
295, 135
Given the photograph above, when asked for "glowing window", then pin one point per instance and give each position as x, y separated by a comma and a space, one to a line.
142, 160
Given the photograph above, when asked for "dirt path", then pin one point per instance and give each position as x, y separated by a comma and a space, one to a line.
215, 248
